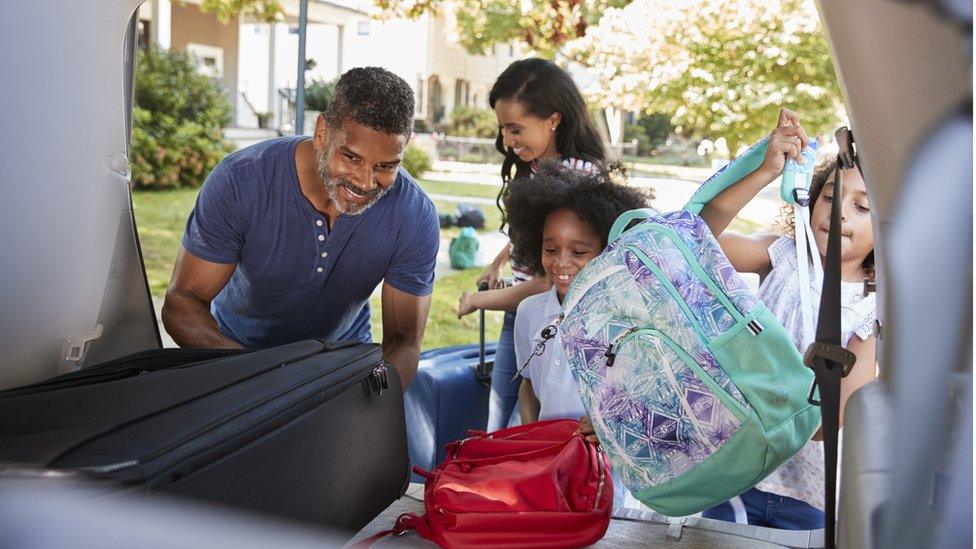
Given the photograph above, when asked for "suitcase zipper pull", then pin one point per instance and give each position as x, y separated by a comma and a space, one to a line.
378, 380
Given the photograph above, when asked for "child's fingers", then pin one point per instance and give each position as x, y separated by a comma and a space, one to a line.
788, 145
794, 131
788, 118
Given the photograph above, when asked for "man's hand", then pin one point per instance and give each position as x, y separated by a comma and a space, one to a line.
186, 309
404, 320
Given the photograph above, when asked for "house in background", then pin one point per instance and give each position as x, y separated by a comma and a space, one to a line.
257, 61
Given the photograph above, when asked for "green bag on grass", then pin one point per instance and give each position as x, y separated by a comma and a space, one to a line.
463, 250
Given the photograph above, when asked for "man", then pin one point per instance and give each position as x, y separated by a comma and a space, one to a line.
289, 237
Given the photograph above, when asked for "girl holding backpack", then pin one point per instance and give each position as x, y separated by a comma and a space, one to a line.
541, 116
560, 220
792, 497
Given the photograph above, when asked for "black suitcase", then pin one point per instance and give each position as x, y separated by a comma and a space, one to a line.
307, 431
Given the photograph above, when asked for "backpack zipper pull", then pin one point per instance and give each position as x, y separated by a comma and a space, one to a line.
610, 354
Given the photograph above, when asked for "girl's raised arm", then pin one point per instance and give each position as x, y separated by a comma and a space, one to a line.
748, 254
786, 141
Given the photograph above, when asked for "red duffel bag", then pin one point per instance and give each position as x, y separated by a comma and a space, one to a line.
537, 485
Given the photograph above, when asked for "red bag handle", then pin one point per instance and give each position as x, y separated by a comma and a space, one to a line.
527, 454
404, 523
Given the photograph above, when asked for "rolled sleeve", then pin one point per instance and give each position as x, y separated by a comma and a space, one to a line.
412, 267
215, 230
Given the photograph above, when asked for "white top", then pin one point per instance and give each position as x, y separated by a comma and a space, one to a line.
802, 476
552, 380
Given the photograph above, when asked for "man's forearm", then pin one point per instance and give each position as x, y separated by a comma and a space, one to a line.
404, 356
188, 321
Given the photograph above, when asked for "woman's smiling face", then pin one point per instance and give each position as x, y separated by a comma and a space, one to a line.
568, 244
528, 135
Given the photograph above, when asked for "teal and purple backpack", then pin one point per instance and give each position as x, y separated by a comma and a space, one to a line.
694, 389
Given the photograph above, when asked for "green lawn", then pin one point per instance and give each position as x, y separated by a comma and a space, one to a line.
460, 189
443, 326
160, 217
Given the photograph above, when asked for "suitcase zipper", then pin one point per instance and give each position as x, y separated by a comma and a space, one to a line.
193, 443
379, 379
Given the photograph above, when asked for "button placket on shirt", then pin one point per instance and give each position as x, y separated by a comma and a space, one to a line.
320, 237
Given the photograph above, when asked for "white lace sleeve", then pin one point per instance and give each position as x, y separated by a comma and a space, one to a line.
866, 312
782, 252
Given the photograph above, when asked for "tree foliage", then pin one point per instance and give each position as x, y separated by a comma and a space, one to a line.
318, 94
720, 69
177, 121
544, 26
467, 121
228, 10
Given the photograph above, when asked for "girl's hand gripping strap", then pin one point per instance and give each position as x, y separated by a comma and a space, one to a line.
795, 189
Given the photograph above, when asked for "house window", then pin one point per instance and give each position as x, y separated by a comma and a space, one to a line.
209, 59
143, 33
462, 93
362, 28
420, 94
435, 100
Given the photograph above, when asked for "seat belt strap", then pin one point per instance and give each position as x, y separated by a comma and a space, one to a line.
831, 362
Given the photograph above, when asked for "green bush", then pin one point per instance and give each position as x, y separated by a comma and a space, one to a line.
177, 121
318, 93
473, 122
651, 131
416, 161
420, 126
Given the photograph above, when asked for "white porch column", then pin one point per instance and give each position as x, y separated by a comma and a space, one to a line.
615, 124
162, 23
272, 89
340, 41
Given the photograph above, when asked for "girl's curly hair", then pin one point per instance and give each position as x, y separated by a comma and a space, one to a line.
822, 174
594, 197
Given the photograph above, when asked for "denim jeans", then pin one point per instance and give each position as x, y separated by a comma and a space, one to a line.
771, 511
502, 411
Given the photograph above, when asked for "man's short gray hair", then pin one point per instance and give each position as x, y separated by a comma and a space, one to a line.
374, 97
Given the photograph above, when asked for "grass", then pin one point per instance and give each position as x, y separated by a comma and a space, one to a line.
460, 189
443, 327
161, 217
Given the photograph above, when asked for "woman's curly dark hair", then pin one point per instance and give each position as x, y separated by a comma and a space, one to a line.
823, 173
594, 197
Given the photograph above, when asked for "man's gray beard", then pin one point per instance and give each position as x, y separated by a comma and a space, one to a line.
332, 185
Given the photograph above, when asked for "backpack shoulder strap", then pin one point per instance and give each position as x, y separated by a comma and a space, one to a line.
731, 173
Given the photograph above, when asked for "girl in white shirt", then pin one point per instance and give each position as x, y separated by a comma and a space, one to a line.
560, 220
792, 496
